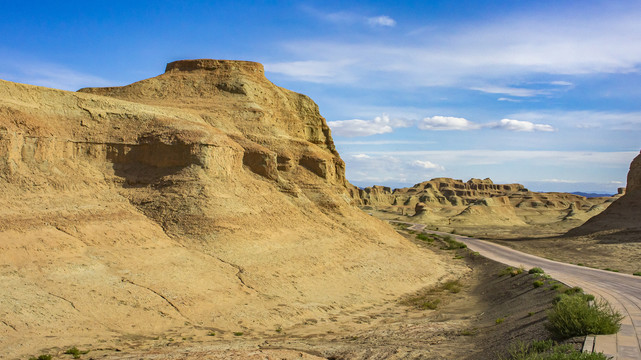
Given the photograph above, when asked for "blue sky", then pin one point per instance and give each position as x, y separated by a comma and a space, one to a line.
543, 93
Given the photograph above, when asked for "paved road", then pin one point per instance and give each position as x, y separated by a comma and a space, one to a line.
622, 291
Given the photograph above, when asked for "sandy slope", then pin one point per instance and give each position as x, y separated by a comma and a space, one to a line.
204, 199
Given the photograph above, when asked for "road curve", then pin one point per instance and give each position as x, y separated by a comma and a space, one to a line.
622, 291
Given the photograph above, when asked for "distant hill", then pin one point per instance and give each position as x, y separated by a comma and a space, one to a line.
591, 195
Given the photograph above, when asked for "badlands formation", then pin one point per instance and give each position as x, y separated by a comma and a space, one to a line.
624, 216
480, 205
204, 199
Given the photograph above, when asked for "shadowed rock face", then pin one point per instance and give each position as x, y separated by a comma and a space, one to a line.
624, 215
203, 198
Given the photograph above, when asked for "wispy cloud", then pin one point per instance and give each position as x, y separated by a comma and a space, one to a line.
585, 119
379, 167
487, 56
382, 20
518, 125
47, 74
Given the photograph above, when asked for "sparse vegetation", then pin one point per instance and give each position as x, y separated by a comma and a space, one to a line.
238, 333
572, 315
75, 352
548, 350
429, 299
511, 271
613, 270
211, 333
41, 357
555, 286
499, 321
638, 273
538, 283
469, 332
452, 244
536, 270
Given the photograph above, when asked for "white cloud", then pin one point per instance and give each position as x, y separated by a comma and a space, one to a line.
518, 125
446, 123
562, 83
586, 119
578, 170
324, 71
428, 165
357, 127
361, 156
508, 99
488, 56
383, 20
512, 91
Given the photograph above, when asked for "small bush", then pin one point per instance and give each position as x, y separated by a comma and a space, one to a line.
238, 333
549, 350
537, 283
211, 333
573, 290
452, 244
422, 237
613, 270
453, 286
555, 286
511, 271
41, 357
75, 352
469, 332
430, 304
499, 321
536, 270
573, 316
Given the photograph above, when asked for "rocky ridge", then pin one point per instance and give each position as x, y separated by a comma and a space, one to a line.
479, 202
203, 199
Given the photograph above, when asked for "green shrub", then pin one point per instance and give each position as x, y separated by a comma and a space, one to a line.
453, 286
75, 352
638, 273
511, 271
499, 321
536, 270
452, 244
555, 286
613, 270
211, 333
238, 333
573, 316
549, 350
422, 237
430, 304
573, 290
41, 357
537, 283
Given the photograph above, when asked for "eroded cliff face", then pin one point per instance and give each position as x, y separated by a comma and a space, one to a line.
479, 202
205, 198
623, 217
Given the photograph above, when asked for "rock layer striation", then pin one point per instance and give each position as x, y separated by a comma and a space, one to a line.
205, 198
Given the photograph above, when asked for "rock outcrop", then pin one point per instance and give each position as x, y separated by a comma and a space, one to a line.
624, 214
480, 202
206, 198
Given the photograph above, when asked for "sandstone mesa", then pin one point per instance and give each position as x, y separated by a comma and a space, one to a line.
205, 198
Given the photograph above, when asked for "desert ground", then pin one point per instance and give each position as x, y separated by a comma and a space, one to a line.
463, 325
